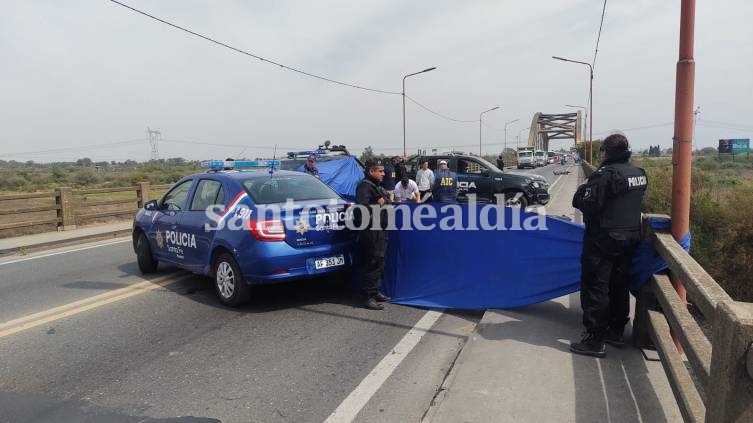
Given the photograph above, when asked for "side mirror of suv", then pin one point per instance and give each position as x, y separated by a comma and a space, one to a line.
151, 205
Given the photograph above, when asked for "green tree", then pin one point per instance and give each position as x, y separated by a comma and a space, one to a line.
368, 154
85, 162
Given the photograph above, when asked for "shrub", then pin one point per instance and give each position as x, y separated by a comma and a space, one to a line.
721, 210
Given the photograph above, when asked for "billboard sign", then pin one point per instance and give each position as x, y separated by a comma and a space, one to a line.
734, 146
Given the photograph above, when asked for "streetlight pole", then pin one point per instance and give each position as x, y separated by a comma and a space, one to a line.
405, 149
585, 110
590, 103
480, 122
520, 132
507, 123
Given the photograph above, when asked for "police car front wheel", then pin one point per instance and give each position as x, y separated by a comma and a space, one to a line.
146, 261
231, 289
516, 199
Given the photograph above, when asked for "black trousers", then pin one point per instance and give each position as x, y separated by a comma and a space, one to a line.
605, 280
372, 246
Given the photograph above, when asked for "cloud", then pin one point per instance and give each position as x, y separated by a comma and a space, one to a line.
82, 73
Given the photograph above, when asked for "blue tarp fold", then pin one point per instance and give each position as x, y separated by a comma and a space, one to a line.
480, 269
342, 175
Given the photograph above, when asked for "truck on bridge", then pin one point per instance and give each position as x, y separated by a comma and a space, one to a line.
525, 158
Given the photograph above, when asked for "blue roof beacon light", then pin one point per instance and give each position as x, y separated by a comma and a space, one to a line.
238, 164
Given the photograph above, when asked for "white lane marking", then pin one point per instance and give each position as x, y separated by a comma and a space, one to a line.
632, 393
63, 252
551, 187
604, 391
347, 411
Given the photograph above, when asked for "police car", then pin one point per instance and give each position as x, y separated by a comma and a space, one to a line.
481, 178
245, 223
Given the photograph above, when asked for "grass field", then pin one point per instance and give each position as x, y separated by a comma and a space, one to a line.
721, 216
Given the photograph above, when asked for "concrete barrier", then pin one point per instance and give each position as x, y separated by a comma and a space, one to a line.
723, 365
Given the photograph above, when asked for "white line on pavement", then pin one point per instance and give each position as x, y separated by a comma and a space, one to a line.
347, 411
64, 252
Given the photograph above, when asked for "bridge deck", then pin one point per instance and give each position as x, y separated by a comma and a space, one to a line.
517, 366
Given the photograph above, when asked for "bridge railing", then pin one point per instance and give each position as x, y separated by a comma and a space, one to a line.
64, 208
716, 384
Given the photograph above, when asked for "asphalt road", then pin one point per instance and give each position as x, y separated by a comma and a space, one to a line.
545, 171
85, 338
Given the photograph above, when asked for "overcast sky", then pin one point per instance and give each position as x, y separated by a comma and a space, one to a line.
82, 73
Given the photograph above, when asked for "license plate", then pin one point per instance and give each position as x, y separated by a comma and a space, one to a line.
326, 262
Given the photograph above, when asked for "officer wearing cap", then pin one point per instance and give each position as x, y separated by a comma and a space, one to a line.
445, 188
310, 166
372, 241
611, 204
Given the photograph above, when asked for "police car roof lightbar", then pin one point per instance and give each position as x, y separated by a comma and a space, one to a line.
230, 164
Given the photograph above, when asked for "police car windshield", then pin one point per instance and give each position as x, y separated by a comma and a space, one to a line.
281, 188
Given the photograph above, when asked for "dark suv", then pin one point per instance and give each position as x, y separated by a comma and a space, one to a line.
478, 176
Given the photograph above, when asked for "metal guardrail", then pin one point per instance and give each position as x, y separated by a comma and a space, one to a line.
722, 365
72, 207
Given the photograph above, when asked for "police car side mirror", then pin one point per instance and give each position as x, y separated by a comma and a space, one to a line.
151, 205
485, 172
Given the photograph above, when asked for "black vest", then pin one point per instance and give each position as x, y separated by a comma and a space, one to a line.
623, 210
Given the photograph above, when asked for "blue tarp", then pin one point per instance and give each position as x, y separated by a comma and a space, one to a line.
480, 269
342, 175
647, 260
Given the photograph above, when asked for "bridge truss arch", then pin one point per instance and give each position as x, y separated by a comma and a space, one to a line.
546, 127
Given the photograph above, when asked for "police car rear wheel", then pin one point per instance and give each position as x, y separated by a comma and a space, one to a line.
146, 261
228, 281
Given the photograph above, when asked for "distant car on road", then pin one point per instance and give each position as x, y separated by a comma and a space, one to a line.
218, 224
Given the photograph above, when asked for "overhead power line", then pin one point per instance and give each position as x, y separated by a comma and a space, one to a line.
439, 114
726, 124
255, 56
598, 37
637, 128
731, 128
71, 149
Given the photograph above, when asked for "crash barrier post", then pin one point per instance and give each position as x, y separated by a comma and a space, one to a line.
723, 365
64, 208
64, 201
142, 194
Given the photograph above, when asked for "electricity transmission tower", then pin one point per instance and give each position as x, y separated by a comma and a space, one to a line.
154, 137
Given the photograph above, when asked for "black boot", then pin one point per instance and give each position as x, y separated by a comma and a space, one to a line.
372, 304
591, 345
615, 337
382, 298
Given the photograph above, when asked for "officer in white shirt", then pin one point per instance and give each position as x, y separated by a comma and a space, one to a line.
424, 179
406, 190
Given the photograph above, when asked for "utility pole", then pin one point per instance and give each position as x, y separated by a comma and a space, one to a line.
683, 132
154, 136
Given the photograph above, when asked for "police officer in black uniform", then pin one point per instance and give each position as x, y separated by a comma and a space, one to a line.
611, 204
372, 242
